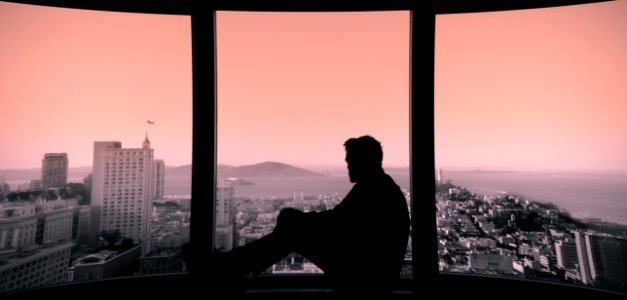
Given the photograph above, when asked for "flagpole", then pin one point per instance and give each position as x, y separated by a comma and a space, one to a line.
148, 123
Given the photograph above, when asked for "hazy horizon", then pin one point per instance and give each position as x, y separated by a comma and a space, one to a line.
533, 170
530, 89
342, 167
305, 165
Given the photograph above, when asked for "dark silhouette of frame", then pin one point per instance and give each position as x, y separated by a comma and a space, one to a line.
423, 211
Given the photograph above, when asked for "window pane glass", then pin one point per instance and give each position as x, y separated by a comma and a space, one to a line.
292, 88
530, 144
96, 118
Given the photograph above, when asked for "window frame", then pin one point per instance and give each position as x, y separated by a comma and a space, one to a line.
422, 44
422, 28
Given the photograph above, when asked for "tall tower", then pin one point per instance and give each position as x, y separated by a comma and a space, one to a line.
298, 202
223, 238
123, 188
582, 254
224, 199
608, 258
54, 170
146, 143
159, 178
98, 174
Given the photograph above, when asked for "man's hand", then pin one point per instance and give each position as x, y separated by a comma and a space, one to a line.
289, 219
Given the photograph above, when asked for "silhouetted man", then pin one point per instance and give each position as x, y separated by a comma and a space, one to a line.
360, 244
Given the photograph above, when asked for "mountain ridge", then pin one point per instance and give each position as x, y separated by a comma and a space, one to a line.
263, 169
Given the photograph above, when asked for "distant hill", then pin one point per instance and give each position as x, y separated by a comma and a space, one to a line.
265, 169
177, 179
185, 170
78, 172
30, 174
396, 169
226, 171
20, 174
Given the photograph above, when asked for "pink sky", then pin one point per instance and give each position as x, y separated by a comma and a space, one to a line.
292, 87
535, 89
71, 77
523, 89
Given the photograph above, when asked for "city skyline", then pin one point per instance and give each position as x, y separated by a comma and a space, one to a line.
57, 232
521, 90
89, 164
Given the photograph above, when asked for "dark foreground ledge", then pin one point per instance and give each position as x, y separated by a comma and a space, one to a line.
183, 286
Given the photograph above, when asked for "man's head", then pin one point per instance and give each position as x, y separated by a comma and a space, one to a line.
363, 156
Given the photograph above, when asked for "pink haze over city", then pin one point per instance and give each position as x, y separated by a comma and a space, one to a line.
533, 89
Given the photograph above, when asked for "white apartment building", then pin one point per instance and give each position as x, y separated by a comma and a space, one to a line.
123, 188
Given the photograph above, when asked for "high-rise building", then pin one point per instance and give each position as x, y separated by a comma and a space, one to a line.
36, 184
25, 224
58, 221
566, 252
80, 224
35, 240
582, 255
87, 189
123, 188
298, 202
608, 258
224, 238
224, 227
54, 170
46, 266
602, 258
159, 177
224, 199
19, 226
4, 188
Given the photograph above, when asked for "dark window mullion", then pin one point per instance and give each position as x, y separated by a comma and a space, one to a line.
422, 161
204, 124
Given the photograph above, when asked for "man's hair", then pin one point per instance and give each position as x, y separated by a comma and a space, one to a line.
365, 149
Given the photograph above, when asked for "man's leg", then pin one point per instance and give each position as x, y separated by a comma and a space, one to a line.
295, 232
305, 234
253, 257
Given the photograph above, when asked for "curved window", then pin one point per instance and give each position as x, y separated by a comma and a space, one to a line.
530, 146
527, 133
292, 87
84, 90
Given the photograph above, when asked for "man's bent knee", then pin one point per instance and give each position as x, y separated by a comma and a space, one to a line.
288, 220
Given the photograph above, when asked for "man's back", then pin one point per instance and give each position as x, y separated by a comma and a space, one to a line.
371, 230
